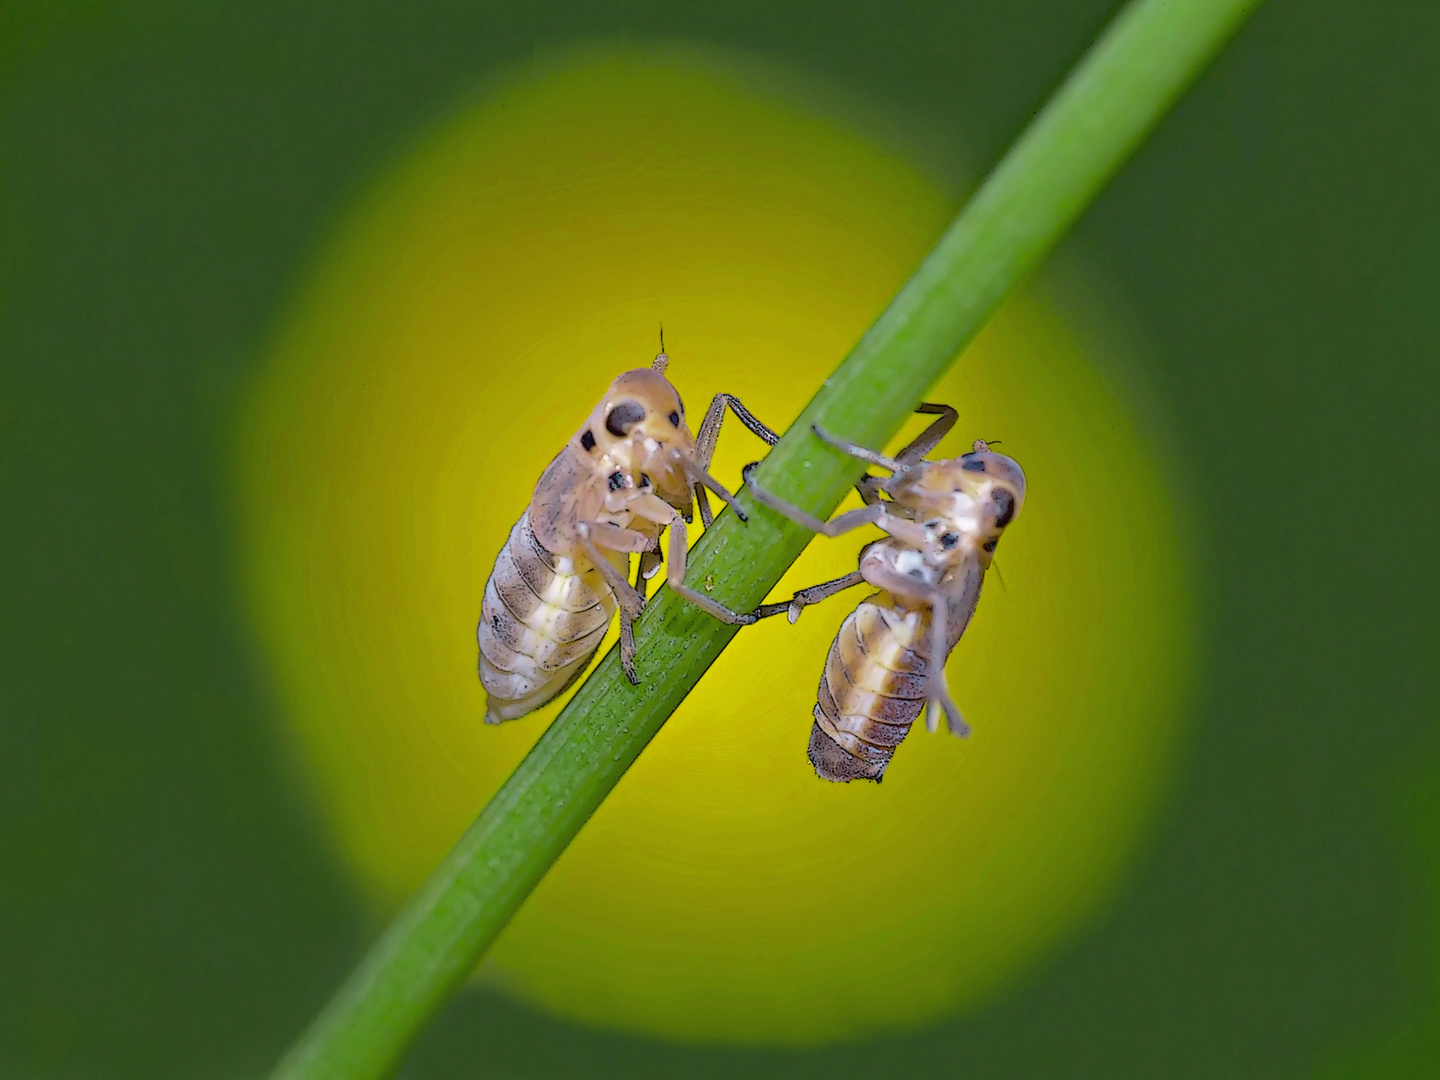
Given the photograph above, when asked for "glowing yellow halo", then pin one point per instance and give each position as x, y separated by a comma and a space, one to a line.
471, 310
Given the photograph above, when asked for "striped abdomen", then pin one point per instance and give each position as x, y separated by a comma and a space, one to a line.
873, 688
542, 620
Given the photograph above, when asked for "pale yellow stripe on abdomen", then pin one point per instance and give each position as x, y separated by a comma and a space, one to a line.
873, 687
541, 623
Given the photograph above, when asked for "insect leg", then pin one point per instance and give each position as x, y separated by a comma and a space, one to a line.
930, 438
597, 534
813, 595
647, 563
938, 693
700, 477
873, 457
908, 532
627, 648
870, 486
709, 435
852, 519
675, 578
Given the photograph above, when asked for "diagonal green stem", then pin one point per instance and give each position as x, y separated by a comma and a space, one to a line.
1147, 57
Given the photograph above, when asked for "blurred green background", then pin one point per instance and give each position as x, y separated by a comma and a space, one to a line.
170, 901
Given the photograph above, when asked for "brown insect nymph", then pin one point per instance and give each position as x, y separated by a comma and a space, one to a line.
887, 664
632, 470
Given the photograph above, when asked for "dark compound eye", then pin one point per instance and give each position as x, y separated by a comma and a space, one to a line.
949, 540
1004, 508
617, 481
587, 440
989, 545
623, 417
674, 419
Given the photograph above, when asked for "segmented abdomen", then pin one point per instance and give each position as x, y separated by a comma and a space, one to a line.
541, 621
871, 691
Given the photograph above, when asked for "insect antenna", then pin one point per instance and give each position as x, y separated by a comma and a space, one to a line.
995, 565
661, 360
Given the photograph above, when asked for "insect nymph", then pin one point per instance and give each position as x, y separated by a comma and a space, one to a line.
887, 663
632, 470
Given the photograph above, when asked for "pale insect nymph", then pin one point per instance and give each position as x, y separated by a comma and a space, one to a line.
631, 470
887, 664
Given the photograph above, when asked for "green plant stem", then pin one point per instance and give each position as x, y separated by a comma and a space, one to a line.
1150, 53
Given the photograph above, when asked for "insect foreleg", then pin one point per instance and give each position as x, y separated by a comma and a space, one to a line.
872, 457
852, 519
938, 692
813, 595
930, 438
594, 535
709, 435
870, 486
614, 537
869, 489
699, 476
907, 532
675, 578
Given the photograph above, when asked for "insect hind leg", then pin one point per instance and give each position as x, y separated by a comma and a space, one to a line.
938, 699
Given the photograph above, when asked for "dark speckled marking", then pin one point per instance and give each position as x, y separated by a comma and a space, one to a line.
1004, 508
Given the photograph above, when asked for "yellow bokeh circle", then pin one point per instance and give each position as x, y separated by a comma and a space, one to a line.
470, 312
